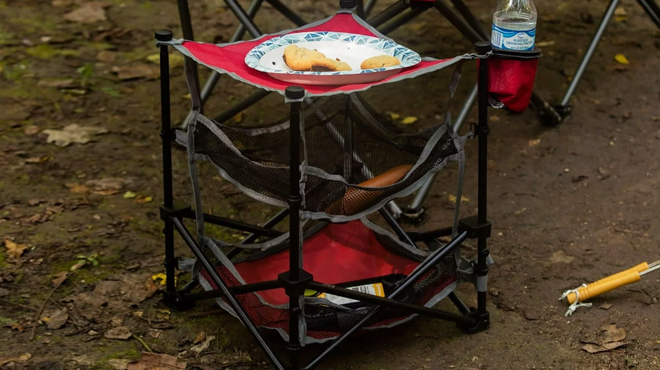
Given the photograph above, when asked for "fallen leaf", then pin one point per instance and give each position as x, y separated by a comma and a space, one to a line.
116, 321
143, 199
561, 257
106, 56
238, 118
37, 160
409, 120
136, 71
129, 195
59, 278
89, 13
611, 333
452, 198
534, 142
107, 185
203, 346
79, 189
17, 326
200, 337
73, 134
55, 319
151, 361
395, 116
78, 265
543, 44
160, 276
120, 333
22, 358
606, 306
620, 14
154, 333
119, 364
58, 83
31, 130
596, 348
621, 59
14, 250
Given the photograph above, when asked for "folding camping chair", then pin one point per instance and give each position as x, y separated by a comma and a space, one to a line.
315, 164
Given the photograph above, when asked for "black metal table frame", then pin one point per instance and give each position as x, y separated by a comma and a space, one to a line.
296, 280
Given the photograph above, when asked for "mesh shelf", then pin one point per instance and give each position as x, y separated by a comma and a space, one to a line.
356, 160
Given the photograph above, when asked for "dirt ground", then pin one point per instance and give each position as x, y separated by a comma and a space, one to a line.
82, 237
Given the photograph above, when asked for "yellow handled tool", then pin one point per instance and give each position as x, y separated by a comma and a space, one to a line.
575, 297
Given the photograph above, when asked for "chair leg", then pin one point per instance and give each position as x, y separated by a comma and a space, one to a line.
565, 102
652, 9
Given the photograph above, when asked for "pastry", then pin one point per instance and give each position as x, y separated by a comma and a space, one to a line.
327, 64
300, 59
380, 61
303, 59
357, 199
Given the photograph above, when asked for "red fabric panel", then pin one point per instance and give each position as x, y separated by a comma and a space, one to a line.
231, 58
512, 81
337, 254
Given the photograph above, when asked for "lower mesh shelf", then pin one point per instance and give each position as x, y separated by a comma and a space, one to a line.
351, 254
357, 160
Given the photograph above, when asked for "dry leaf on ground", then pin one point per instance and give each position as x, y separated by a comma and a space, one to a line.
621, 59
73, 134
22, 358
108, 185
150, 361
31, 130
106, 56
119, 364
409, 120
59, 278
58, 83
596, 348
609, 337
88, 13
561, 257
203, 346
55, 319
120, 332
14, 250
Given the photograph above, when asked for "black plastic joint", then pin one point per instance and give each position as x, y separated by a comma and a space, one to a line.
474, 228
294, 92
295, 287
483, 47
177, 301
483, 130
164, 35
482, 322
347, 4
176, 211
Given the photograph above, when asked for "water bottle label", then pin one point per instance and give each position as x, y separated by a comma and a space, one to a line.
503, 38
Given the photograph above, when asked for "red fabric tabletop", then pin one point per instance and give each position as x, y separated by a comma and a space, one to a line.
230, 58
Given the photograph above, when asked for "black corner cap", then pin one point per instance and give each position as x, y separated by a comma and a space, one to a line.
347, 4
294, 92
164, 35
483, 47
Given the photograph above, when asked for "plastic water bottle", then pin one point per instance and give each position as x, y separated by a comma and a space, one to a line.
514, 25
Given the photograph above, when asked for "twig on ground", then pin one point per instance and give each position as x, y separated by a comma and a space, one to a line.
43, 306
143, 343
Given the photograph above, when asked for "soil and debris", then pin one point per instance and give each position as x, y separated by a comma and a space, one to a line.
81, 241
